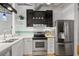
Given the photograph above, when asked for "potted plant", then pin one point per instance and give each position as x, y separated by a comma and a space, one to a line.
21, 17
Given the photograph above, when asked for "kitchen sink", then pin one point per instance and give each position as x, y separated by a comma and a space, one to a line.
9, 41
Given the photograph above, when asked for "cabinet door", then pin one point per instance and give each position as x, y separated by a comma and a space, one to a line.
29, 18
49, 18
27, 46
50, 46
6, 52
17, 49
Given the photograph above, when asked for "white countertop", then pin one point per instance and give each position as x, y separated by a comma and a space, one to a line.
4, 46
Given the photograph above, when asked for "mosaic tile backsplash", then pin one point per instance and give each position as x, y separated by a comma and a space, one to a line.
24, 32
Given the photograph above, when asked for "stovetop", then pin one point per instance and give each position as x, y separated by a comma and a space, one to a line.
39, 37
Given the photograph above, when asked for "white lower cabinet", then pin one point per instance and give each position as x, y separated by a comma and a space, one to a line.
27, 46
17, 48
50, 46
6, 52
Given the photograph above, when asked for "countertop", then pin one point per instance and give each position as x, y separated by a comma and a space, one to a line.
4, 46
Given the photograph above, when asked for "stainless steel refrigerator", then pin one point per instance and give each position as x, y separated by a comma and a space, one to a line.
64, 42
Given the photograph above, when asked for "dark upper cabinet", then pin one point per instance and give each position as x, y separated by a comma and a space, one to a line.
39, 17
49, 18
29, 18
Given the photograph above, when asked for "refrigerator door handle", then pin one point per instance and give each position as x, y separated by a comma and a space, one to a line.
66, 31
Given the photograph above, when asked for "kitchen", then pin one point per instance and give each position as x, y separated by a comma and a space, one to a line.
38, 29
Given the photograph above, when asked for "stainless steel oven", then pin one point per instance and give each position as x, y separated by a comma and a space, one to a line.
39, 44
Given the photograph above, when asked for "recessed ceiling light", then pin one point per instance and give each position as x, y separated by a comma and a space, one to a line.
9, 8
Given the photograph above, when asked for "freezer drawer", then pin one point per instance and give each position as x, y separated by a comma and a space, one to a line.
64, 49
60, 49
69, 49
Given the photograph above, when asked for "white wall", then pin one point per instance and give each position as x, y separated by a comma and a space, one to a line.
76, 29
20, 25
57, 15
68, 12
5, 26
21, 10
78, 24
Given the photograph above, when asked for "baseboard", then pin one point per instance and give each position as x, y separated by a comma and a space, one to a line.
51, 54
27, 54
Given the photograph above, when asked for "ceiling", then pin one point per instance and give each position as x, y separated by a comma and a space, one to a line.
37, 6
